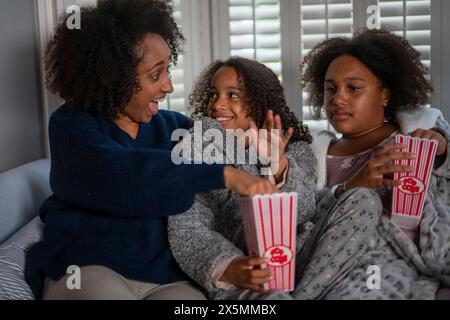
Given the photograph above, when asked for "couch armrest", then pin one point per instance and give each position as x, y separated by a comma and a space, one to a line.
22, 191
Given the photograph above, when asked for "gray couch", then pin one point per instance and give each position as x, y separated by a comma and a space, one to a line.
22, 191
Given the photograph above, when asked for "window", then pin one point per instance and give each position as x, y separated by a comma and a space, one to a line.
279, 33
412, 20
176, 101
255, 31
322, 20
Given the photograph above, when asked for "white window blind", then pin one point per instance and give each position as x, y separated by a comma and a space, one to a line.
321, 20
412, 20
255, 31
175, 101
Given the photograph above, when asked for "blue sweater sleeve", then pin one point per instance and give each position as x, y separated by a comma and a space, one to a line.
91, 170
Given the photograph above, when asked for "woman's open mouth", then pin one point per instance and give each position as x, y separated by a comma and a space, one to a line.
154, 106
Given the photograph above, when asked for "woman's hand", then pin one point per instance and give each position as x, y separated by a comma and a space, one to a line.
431, 134
263, 142
246, 184
246, 272
379, 170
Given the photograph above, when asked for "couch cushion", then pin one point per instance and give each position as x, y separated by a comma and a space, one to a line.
12, 261
22, 192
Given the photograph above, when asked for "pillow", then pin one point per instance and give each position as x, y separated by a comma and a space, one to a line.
12, 261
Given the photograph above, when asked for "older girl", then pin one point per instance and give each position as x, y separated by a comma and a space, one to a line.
372, 87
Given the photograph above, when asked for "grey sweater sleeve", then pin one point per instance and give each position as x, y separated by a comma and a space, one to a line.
195, 245
302, 178
443, 169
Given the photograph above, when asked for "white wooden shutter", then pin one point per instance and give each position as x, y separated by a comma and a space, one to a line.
321, 20
175, 101
412, 20
255, 31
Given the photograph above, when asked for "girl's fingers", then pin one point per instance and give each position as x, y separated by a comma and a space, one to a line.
391, 183
254, 132
288, 135
262, 273
394, 168
423, 134
381, 182
256, 261
269, 123
428, 135
254, 287
277, 121
259, 281
253, 125
388, 148
417, 133
385, 158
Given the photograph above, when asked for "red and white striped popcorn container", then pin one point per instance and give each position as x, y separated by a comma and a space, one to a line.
408, 199
270, 227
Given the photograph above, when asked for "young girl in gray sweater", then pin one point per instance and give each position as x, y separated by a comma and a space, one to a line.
208, 240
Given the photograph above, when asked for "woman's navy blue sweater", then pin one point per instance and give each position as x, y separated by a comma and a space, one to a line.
111, 198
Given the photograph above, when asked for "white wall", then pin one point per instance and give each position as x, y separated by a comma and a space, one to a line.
21, 133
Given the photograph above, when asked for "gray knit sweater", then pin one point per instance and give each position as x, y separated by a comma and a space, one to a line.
211, 233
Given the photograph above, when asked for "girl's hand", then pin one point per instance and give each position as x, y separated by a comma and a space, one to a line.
246, 184
246, 272
263, 142
379, 170
431, 134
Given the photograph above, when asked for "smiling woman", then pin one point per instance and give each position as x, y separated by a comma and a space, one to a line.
113, 180
155, 84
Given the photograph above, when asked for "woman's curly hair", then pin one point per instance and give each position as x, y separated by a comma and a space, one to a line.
391, 59
262, 92
94, 69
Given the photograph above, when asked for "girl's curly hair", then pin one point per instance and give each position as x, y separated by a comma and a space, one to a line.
262, 92
391, 59
94, 69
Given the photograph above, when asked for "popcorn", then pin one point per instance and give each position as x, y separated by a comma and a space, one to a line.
270, 227
408, 199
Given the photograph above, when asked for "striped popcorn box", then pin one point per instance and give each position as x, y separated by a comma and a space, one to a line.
270, 227
408, 198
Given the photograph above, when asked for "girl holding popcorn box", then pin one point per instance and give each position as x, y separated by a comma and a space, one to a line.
208, 241
373, 88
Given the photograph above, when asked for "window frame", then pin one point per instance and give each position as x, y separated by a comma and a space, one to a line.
291, 49
206, 25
